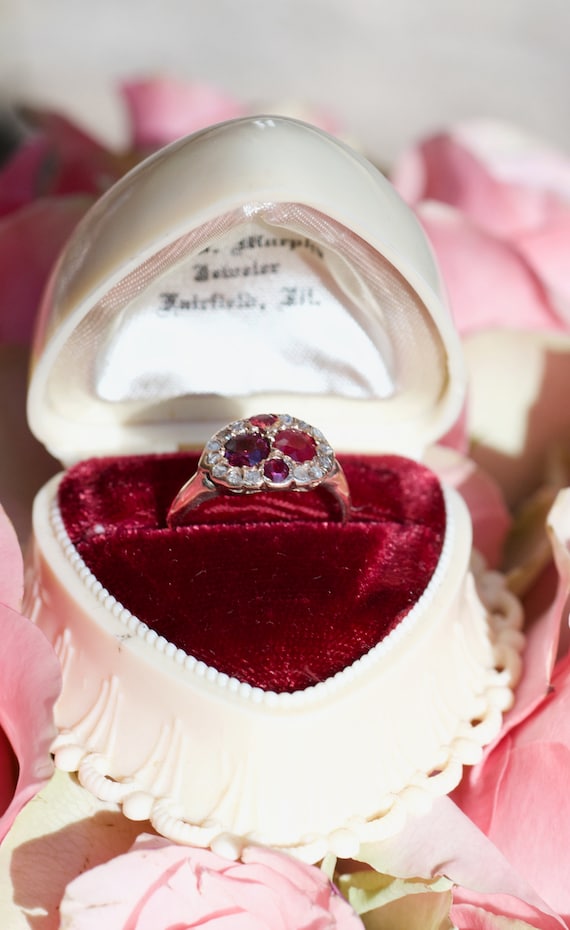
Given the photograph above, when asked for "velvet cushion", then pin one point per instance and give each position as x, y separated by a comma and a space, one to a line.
265, 587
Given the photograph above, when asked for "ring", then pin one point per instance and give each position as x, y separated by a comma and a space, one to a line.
269, 452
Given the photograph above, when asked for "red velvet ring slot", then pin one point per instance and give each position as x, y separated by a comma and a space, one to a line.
266, 587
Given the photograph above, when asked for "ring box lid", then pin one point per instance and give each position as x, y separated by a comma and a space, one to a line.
117, 369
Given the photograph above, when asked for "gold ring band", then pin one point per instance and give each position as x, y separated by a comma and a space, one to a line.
267, 452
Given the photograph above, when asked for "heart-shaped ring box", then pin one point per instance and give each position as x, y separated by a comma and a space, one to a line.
265, 671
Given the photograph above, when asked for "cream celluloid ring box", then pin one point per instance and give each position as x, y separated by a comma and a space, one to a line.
241, 660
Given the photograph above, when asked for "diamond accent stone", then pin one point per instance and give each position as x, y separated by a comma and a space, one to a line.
301, 474
234, 477
219, 470
252, 478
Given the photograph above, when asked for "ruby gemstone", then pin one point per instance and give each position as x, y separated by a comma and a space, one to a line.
263, 420
246, 449
276, 470
298, 446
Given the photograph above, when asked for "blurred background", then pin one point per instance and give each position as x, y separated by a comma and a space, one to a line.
386, 72
382, 74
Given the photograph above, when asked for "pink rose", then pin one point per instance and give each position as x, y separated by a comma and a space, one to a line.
164, 109
56, 159
519, 794
30, 682
45, 188
496, 206
500, 837
30, 241
159, 886
488, 891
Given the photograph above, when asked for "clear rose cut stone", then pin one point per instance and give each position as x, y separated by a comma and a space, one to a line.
301, 474
219, 470
276, 470
234, 477
246, 449
297, 445
252, 478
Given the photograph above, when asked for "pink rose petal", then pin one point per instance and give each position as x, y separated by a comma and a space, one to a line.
57, 159
409, 175
546, 250
545, 609
30, 241
160, 886
490, 518
20, 177
522, 795
29, 685
489, 283
513, 156
446, 842
164, 109
521, 788
470, 917
75, 162
531, 798
444, 169
508, 189
11, 565
457, 437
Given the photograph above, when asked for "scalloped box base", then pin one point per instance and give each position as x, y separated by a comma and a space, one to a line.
278, 677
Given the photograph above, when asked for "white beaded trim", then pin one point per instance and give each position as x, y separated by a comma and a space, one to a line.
243, 690
505, 622
505, 619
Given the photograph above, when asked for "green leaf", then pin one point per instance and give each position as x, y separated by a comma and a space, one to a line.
387, 903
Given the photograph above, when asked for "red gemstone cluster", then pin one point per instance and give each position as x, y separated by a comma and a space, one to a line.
269, 452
